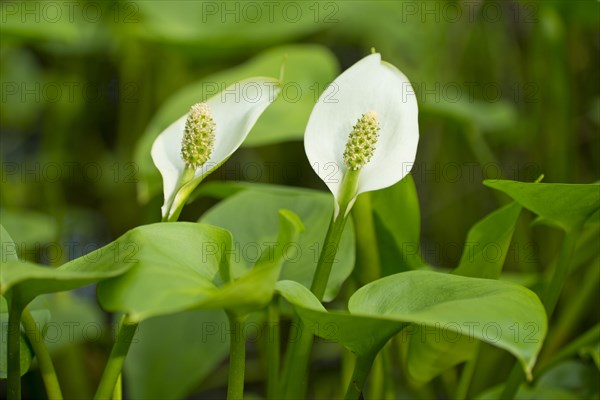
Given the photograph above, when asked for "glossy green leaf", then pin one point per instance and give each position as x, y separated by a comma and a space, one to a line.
225, 189
487, 243
359, 334
437, 350
430, 351
182, 266
173, 267
172, 354
308, 69
452, 302
398, 223
482, 309
22, 281
251, 217
567, 206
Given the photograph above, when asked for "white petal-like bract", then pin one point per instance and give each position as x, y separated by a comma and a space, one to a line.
370, 85
235, 111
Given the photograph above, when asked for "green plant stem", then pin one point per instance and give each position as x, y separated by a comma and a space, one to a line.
513, 382
273, 345
572, 313
362, 368
348, 358
113, 368
334, 234
298, 355
462, 389
327, 256
295, 371
549, 299
237, 357
367, 252
118, 392
297, 359
389, 386
14, 351
561, 272
43, 356
377, 377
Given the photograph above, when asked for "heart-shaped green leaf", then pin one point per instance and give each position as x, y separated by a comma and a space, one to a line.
483, 256
359, 334
567, 206
487, 243
22, 281
487, 310
255, 231
483, 309
182, 266
176, 266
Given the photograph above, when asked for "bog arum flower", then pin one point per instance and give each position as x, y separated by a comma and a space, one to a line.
361, 136
363, 132
200, 141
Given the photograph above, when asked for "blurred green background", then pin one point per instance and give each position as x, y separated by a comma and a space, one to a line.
506, 89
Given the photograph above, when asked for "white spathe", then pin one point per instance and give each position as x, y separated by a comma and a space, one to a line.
369, 85
235, 111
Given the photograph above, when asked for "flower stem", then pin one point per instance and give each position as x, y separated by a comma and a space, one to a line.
295, 370
237, 357
362, 368
118, 392
43, 356
462, 390
273, 343
297, 359
14, 351
334, 233
113, 368
327, 256
561, 272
